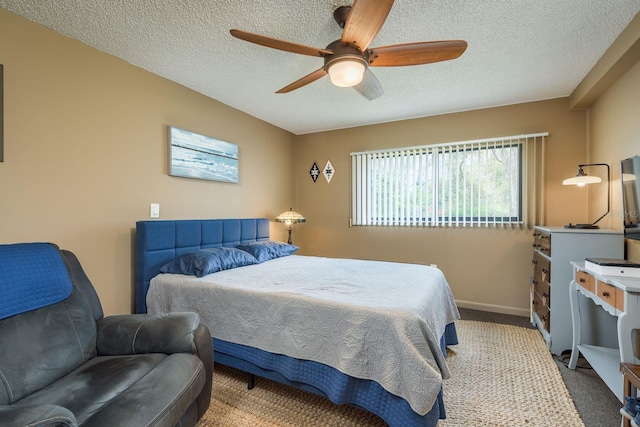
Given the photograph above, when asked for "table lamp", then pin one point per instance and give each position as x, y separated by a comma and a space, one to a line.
290, 217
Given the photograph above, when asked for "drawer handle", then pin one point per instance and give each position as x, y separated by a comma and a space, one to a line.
545, 270
582, 280
534, 302
545, 294
606, 294
534, 281
543, 318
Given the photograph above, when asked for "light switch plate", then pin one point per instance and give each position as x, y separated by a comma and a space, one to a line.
154, 210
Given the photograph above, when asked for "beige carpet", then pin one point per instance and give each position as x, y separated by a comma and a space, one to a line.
501, 376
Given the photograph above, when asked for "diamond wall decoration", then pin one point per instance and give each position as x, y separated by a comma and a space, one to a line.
328, 171
314, 172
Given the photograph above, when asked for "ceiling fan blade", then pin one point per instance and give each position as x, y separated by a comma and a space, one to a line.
309, 78
369, 87
279, 44
364, 22
416, 53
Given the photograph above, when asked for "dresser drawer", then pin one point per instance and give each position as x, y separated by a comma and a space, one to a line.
542, 242
611, 295
542, 270
585, 280
542, 311
543, 291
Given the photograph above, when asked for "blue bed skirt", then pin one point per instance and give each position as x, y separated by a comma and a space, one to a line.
328, 382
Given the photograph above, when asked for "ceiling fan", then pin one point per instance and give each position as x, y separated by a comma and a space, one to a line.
347, 60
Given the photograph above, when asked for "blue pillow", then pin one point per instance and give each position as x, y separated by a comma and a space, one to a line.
264, 251
207, 261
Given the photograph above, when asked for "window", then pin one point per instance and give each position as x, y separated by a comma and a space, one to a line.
472, 183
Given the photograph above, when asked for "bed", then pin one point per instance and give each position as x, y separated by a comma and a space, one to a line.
306, 366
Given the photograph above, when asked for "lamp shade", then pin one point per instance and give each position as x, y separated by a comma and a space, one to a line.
346, 72
581, 179
290, 217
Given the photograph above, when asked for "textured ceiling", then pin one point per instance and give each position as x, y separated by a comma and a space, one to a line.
519, 51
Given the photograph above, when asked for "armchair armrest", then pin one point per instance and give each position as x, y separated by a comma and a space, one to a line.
146, 333
159, 333
36, 416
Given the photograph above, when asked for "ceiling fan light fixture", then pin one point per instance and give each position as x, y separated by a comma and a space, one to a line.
347, 60
346, 72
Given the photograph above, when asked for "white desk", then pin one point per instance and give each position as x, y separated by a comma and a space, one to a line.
618, 296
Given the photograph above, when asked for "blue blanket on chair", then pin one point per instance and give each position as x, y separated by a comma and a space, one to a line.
32, 275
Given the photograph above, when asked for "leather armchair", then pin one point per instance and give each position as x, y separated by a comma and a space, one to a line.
63, 363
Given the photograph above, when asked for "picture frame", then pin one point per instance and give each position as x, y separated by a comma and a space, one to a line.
192, 155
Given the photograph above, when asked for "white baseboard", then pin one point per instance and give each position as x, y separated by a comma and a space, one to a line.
524, 312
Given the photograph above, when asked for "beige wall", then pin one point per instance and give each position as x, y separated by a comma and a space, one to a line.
86, 153
610, 92
614, 135
486, 268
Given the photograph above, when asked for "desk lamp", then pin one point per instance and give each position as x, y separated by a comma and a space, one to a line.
581, 179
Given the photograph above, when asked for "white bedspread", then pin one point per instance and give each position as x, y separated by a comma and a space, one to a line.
372, 320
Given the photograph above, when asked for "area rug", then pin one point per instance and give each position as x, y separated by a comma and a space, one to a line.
502, 376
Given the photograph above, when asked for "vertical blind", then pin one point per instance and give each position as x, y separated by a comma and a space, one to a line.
489, 182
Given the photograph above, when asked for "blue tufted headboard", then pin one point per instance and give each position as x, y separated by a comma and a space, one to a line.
158, 242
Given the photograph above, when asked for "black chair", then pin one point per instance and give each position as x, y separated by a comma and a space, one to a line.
63, 363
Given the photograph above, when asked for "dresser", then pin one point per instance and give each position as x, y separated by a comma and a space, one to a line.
553, 250
620, 298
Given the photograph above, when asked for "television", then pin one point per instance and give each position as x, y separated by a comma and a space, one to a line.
630, 178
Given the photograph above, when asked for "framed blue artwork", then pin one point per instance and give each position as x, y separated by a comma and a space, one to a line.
1, 114
192, 155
